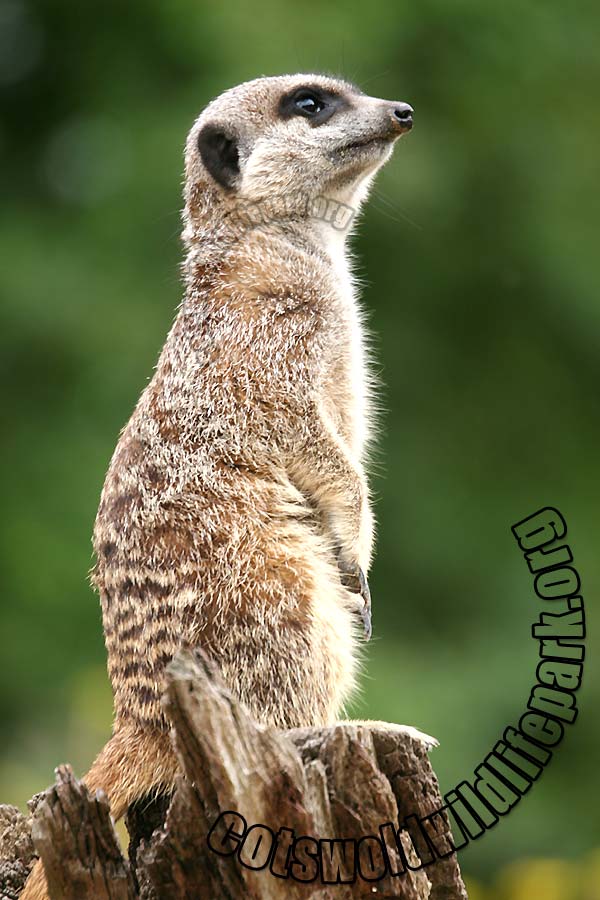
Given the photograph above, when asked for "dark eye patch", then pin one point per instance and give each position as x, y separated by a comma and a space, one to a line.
312, 102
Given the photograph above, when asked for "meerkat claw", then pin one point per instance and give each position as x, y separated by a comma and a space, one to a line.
364, 587
366, 611
366, 619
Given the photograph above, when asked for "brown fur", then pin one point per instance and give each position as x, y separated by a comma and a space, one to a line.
237, 490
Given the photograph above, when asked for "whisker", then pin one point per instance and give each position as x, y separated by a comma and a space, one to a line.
393, 208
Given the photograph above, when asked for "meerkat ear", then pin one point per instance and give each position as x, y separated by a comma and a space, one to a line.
219, 153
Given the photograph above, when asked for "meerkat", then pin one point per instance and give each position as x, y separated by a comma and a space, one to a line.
235, 514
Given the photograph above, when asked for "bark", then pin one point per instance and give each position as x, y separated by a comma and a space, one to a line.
74, 835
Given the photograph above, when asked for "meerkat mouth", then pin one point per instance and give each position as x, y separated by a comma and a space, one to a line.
378, 143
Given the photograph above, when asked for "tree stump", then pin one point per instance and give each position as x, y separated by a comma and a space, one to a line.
256, 813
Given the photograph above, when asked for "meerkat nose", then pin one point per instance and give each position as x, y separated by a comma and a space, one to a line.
402, 115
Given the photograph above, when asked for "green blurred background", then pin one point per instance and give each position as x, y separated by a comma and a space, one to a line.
480, 255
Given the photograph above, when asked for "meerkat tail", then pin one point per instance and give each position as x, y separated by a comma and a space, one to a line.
133, 764
35, 886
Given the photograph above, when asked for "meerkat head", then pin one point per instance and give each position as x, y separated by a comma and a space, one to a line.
285, 141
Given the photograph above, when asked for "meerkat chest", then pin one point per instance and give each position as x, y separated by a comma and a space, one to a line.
348, 377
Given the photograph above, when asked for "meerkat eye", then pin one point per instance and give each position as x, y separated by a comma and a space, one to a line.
314, 103
308, 104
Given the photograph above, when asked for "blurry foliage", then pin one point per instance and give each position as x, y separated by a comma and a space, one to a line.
479, 251
543, 879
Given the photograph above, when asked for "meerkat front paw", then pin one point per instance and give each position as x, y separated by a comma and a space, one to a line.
355, 580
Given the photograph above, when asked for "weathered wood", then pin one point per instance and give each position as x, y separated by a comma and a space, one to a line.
394, 781
406, 766
319, 785
16, 852
360, 799
74, 836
